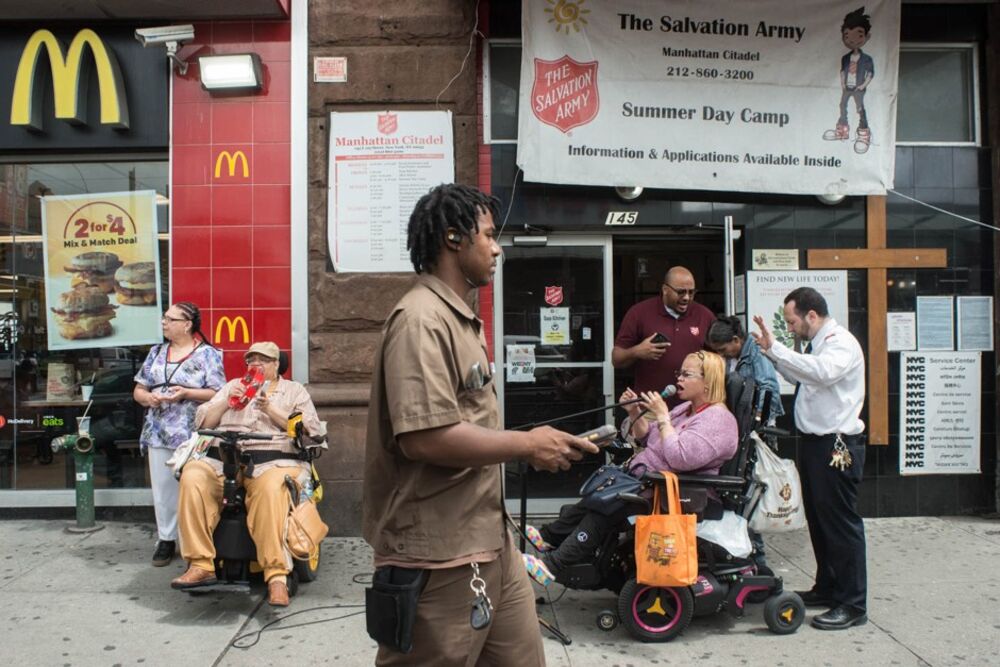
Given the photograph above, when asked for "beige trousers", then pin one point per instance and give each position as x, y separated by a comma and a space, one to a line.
200, 506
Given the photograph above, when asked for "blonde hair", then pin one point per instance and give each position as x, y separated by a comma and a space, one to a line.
713, 369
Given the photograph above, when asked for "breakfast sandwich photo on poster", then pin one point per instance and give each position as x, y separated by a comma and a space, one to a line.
102, 270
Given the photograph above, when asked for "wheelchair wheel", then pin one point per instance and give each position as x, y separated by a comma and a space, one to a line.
308, 570
784, 613
607, 620
653, 613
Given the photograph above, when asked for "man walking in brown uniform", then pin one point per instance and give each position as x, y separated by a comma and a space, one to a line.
433, 506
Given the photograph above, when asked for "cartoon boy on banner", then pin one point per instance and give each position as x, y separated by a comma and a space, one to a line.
856, 71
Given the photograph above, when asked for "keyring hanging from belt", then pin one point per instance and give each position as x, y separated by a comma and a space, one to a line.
841, 457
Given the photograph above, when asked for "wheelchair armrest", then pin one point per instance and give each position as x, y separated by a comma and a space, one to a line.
644, 505
714, 481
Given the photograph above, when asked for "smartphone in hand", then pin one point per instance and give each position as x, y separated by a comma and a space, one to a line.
660, 339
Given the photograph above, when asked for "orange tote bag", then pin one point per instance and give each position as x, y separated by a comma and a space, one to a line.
666, 549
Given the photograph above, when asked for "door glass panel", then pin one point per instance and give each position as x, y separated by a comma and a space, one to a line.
570, 370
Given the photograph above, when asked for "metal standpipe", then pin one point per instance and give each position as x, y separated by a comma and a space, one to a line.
82, 446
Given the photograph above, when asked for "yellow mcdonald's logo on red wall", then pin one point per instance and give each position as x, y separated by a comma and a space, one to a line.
231, 325
231, 159
69, 86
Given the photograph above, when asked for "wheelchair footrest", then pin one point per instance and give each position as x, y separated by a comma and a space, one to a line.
221, 587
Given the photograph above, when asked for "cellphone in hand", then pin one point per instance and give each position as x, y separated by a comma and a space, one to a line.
659, 339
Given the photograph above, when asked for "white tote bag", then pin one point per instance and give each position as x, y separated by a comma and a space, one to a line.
780, 507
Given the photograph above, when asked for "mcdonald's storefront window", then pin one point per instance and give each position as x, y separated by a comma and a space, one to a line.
41, 390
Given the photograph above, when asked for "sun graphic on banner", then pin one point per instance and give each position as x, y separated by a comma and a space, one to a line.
566, 14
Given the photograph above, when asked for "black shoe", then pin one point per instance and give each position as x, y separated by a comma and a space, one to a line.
164, 553
814, 599
840, 618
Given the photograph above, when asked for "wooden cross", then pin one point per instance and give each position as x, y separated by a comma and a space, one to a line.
877, 259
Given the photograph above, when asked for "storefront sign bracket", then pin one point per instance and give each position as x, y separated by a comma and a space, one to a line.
877, 260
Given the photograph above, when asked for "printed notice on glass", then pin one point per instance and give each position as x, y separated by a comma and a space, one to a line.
901, 331
939, 413
381, 163
520, 363
555, 326
935, 323
975, 323
740, 293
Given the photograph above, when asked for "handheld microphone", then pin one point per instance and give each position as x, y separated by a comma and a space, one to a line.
668, 391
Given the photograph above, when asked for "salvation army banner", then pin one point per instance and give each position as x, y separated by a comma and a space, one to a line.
102, 270
761, 96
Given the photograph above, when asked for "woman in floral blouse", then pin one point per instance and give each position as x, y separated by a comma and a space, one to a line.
175, 378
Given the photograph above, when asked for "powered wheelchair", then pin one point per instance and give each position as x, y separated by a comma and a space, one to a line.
235, 552
725, 582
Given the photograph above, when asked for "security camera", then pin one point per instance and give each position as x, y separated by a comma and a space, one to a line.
171, 36
165, 34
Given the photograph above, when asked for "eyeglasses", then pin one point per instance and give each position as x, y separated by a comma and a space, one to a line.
681, 292
167, 318
687, 375
260, 361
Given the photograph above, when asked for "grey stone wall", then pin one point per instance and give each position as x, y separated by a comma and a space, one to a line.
400, 55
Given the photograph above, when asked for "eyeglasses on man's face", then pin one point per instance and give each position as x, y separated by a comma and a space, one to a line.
681, 292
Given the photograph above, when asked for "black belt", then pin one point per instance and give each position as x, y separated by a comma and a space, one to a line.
266, 456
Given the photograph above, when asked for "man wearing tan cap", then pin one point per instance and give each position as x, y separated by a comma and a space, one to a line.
200, 498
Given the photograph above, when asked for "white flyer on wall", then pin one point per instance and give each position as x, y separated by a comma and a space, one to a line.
975, 323
762, 96
381, 163
939, 412
766, 292
935, 323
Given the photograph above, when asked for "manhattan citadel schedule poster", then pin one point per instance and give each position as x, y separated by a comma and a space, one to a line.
764, 96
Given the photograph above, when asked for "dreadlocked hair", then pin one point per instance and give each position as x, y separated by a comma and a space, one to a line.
449, 205
193, 313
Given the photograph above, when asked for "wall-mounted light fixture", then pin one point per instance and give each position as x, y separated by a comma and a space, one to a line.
238, 71
628, 193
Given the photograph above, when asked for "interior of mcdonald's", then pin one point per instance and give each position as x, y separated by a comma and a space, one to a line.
41, 389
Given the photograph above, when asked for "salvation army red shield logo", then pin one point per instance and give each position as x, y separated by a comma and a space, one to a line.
564, 94
695, 331
388, 123
553, 295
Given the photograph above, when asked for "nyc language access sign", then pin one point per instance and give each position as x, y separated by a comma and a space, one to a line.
762, 96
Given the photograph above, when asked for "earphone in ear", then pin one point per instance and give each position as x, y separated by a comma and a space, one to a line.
453, 237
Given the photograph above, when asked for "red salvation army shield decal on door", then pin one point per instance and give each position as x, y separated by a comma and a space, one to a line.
564, 94
553, 295
388, 123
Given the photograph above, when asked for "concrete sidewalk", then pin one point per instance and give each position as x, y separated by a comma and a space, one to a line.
94, 600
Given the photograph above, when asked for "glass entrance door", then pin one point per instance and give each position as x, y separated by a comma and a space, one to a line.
553, 340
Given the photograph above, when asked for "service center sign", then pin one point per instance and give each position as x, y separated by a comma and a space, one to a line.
762, 96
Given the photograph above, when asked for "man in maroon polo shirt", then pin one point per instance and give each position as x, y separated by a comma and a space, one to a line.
673, 314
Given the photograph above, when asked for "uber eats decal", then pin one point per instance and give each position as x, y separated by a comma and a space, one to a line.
102, 270
763, 96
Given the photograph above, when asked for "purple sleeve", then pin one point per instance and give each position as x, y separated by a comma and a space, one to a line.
215, 374
707, 440
145, 374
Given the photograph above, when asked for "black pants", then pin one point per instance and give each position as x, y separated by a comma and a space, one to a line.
835, 527
577, 534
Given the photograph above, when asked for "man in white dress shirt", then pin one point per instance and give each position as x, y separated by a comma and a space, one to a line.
831, 391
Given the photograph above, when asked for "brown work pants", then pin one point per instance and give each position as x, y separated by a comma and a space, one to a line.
442, 635
200, 505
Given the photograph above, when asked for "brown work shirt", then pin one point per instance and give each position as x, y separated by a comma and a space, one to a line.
431, 370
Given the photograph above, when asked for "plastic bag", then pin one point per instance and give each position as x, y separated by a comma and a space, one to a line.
780, 508
729, 532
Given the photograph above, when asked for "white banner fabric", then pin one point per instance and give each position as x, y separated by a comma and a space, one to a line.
761, 96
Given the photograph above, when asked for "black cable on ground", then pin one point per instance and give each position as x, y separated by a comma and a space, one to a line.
256, 634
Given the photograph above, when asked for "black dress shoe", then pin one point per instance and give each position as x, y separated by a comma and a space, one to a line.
814, 599
840, 618
164, 553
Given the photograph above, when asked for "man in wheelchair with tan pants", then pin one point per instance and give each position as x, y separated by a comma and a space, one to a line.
266, 463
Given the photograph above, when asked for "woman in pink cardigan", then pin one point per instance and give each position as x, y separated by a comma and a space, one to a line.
696, 437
